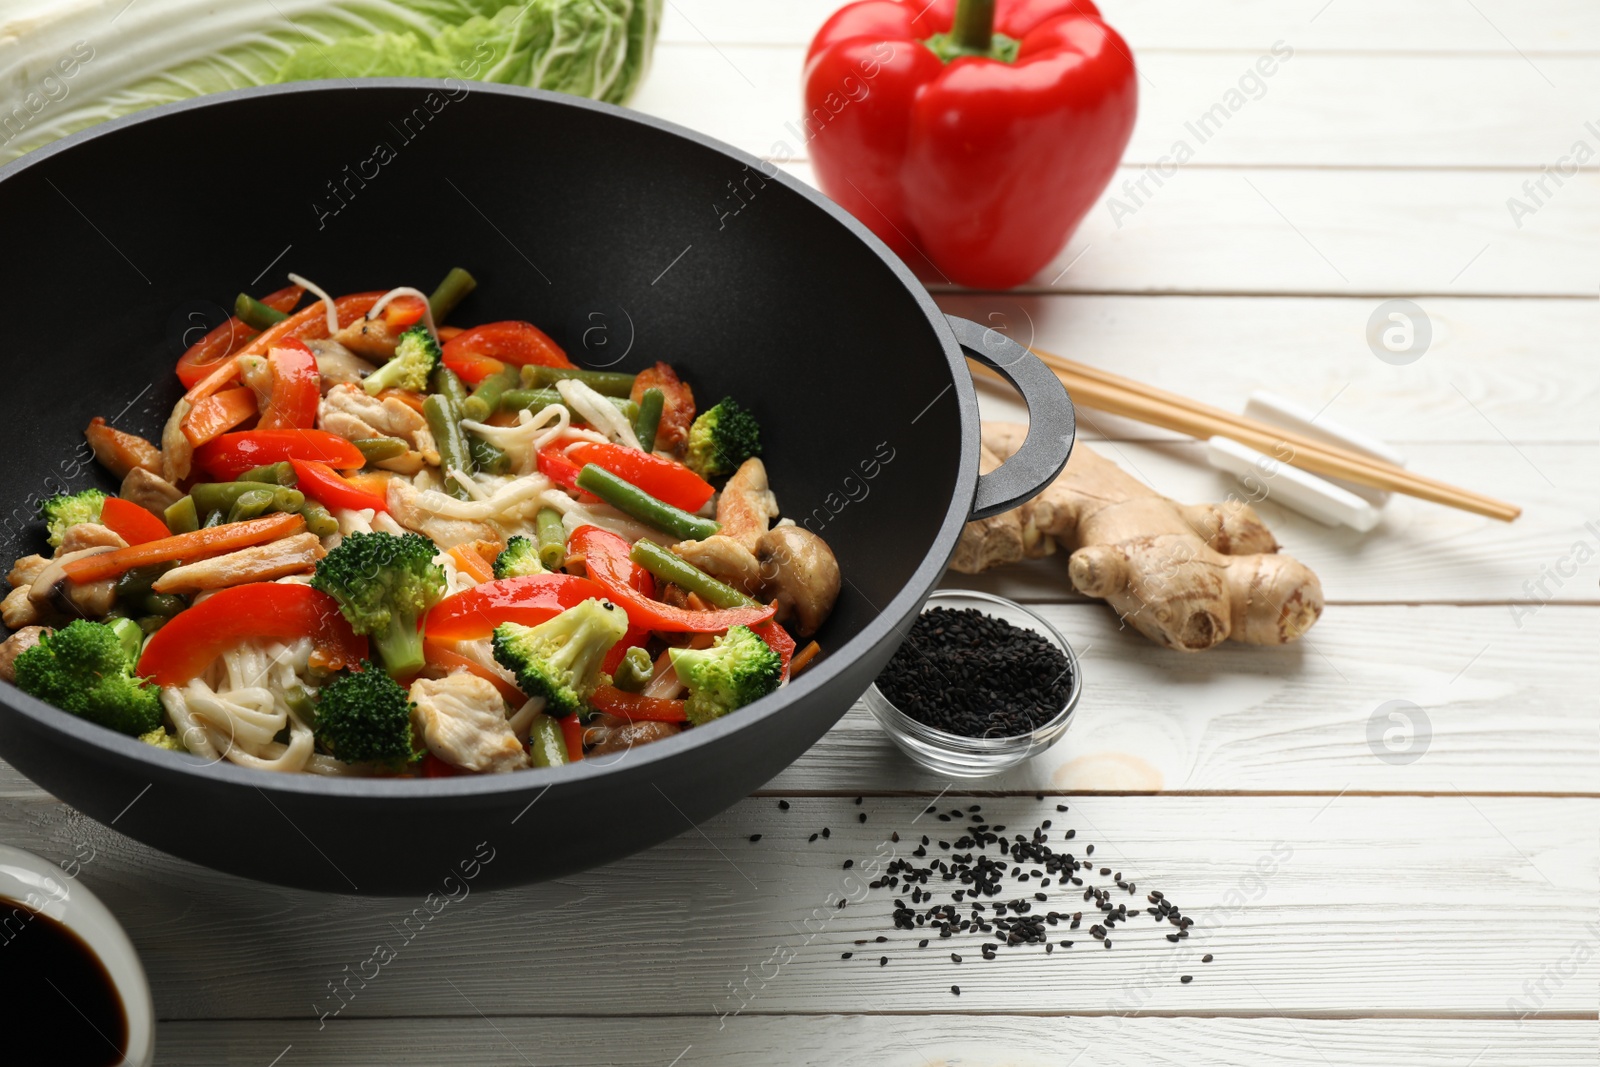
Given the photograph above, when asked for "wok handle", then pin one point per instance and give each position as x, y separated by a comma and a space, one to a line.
1051, 424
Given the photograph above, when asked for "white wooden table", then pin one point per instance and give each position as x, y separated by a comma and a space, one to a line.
1422, 901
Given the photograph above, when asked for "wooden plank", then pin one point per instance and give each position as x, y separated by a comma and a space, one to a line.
1245, 108
1378, 234
1471, 382
1501, 710
882, 1041
1312, 905
1497, 26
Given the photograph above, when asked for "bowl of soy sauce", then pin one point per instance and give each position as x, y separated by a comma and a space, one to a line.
71, 984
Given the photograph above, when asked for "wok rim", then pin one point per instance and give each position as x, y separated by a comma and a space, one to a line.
496, 787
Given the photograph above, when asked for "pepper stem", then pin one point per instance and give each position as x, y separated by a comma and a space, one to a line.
973, 31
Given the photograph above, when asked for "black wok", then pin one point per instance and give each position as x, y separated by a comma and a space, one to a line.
629, 240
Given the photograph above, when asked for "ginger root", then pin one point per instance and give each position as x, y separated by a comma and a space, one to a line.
1186, 576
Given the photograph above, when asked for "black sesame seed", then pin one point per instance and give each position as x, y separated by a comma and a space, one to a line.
755, 837
846, 955
858, 801
783, 805
813, 837
1206, 958
1186, 979
863, 816
956, 990
848, 864
883, 961
955, 958
826, 833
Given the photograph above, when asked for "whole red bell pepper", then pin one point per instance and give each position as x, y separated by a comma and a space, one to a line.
972, 136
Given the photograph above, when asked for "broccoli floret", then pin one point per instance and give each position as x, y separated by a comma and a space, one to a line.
739, 667
519, 557
722, 438
85, 668
414, 359
161, 739
560, 659
384, 585
365, 717
69, 509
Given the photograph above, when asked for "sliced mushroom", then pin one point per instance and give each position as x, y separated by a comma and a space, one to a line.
150, 491
606, 734
801, 572
16, 645
121, 452
53, 590
337, 364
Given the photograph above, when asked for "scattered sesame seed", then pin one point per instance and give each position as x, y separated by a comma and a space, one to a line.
755, 837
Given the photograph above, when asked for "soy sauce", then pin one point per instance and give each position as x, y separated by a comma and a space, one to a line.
55, 995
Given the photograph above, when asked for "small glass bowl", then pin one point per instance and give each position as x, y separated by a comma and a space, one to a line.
954, 755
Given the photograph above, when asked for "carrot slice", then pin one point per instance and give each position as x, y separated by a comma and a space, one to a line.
217, 414
211, 541
468, 560
803, 658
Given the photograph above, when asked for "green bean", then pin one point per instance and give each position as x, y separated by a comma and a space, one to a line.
604, 382
486, 457
545, 743
299, 700
670, 568
444, 381
486, 397
552, 539
445, 424
286, 499
279, 473
214, 518
254, 314
634, 671
318, 519
534, 399
137, 582
249, 505
149, 624
182, 516
221, 496
649, 418
378, 449
164, 604
450, 292
627, 497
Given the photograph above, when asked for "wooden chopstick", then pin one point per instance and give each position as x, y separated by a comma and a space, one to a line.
1116, 395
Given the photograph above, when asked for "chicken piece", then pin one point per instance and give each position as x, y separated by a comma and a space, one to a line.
405, 507
677, 408
348, 411
121, 452
369, 338
259, 563
82, 535
150, 491
177, 454
53, 592
18, 609
25, 570
747, 504
337, 364
16, 645
725, 560
463, 722
802, 573
607, 734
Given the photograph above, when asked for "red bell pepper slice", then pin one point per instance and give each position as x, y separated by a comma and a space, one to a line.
217, 414
637, 707
605, 555
132, 523
434, 767
188, 644
554, 464
663, 479
403, 312
230, 455
203, 356
296, 387
323, 484
1048, 100
476, 353
777, 639
572, 733
528, 601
